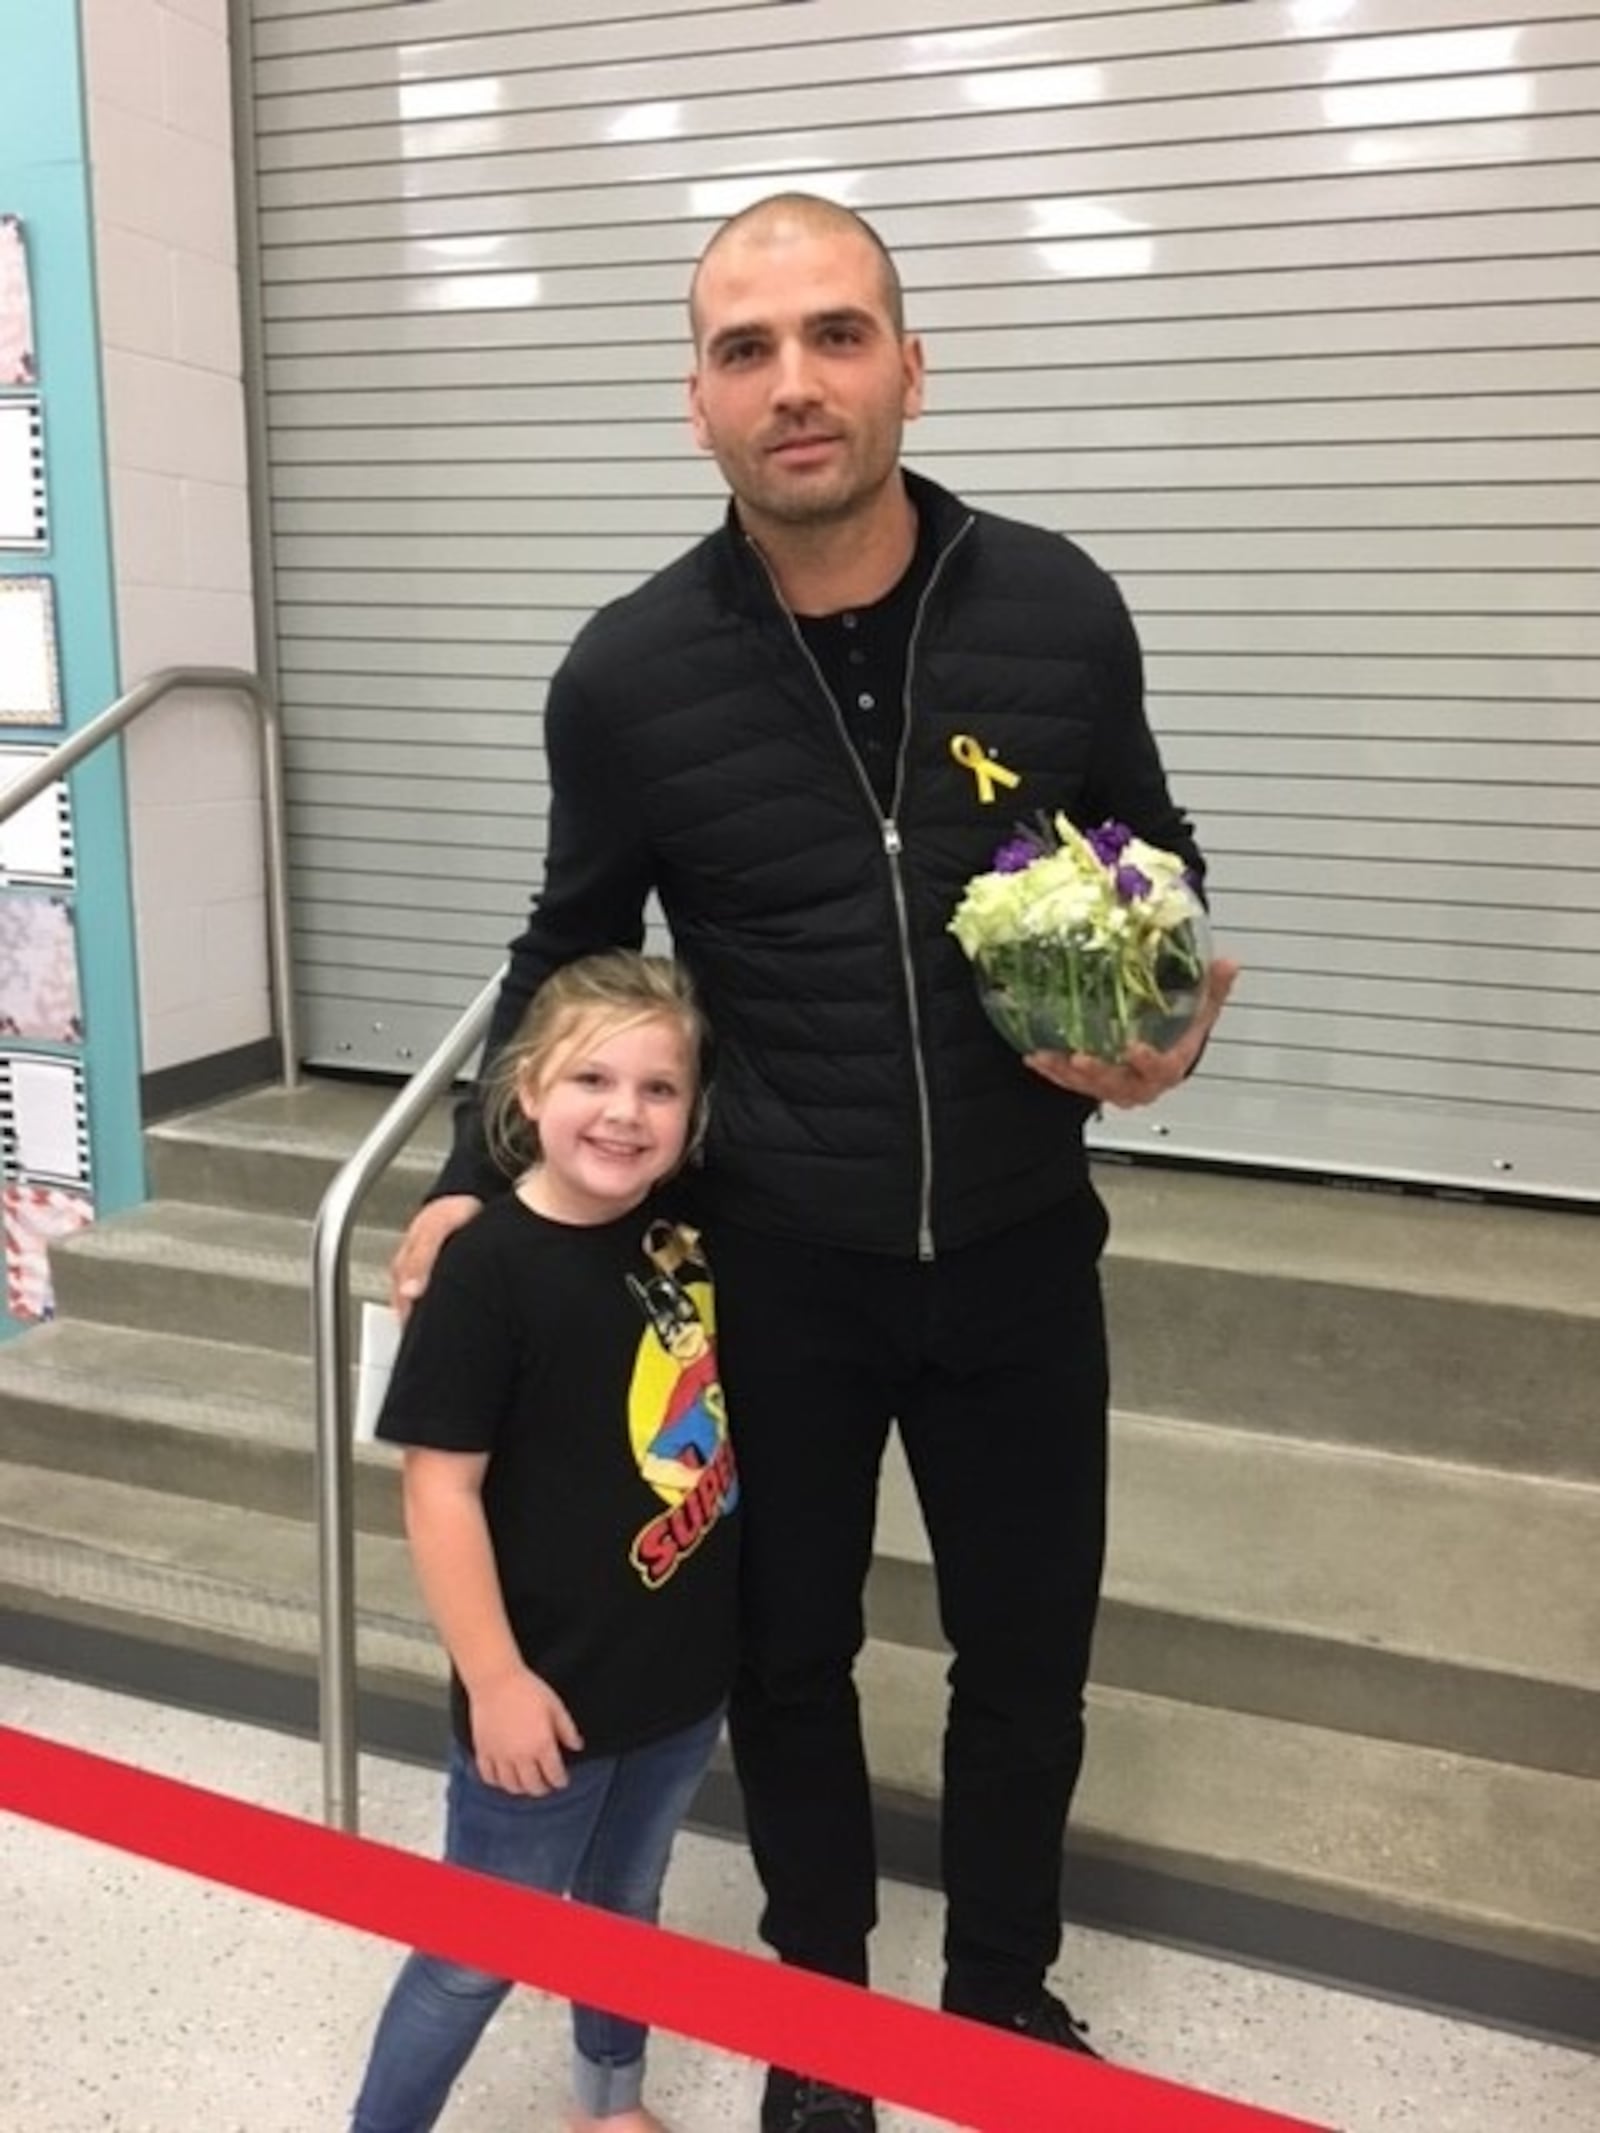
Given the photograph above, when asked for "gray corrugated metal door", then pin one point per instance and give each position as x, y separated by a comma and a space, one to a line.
1287, 311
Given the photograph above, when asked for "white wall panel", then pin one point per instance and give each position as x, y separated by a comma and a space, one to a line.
1059, 171
1288, 311
1268, 89
1090, 349
986, 209
924, 47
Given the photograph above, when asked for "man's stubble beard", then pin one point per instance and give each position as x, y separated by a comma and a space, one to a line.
833, 505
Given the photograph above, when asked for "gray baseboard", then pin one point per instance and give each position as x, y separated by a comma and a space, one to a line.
202, 1081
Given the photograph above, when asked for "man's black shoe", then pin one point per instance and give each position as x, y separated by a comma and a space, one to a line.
794, 2103
1051, 2021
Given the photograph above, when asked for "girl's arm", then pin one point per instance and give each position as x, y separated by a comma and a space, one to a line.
519, 1723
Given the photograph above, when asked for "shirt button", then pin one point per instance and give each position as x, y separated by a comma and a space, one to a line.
864, 702
858, 658
849, 621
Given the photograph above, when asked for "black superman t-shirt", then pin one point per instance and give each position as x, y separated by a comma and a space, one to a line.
583, 1361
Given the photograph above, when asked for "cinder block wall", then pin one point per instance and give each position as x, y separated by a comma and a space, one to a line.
161, 165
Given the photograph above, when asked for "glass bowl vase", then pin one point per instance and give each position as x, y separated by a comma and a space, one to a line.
1069, 995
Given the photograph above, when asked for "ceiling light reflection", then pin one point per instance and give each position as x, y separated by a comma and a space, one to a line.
1444, 52
1104, 259
1079, 218
646, 122
954, 46
487, 292
1312, 17
1427, 103
1020, 88
1448, 144
451, 99
461, 251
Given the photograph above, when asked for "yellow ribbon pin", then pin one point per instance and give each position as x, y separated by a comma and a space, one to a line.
987, 770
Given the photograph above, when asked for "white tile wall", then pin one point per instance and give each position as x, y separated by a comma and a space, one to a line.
167, 625
205, 296
147, 528
173, 418
175, 187
216, 524
124, 53
160, 134
210, 14
195, 79
138, 308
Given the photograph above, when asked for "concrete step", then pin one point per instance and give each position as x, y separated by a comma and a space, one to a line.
1253, 1573
1221, 1334
213, 1420
1475, 1854
279, 1150
1412, 1601
1470, 1852
1453, 1331
213, 1272
1407, 1599
215, 1580
1456, 1331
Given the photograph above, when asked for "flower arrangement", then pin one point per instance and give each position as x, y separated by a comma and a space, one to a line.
1085, 941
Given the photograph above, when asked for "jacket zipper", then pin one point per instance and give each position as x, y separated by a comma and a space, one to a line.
893, 845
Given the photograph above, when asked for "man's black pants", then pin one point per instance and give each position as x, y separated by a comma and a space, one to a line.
992, 1360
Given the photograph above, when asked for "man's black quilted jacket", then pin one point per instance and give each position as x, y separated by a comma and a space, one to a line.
860, 1098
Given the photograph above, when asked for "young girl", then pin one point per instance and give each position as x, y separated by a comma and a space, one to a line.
568, 1489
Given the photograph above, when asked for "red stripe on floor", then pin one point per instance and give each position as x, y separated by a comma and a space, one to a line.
958, 2071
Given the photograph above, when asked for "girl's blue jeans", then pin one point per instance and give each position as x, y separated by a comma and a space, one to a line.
604, 1839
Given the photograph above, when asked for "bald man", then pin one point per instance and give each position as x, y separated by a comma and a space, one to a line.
775, 733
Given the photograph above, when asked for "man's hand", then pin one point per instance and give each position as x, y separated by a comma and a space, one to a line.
412, 1264
1144, 1074
519, 1728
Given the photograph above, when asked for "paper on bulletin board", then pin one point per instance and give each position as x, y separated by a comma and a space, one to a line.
19, 364
44, 1121
36, 842
39, 992
22, 509
30, 673
34, 1217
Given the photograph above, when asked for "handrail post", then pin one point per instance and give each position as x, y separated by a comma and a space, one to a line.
275, 840
335, 1475
331, 1360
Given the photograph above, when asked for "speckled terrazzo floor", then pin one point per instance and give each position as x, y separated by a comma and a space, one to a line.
139, 2001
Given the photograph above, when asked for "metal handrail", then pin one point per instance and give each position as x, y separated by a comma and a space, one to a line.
110, 722
330, 1369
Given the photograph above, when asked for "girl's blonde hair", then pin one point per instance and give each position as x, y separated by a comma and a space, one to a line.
598, 996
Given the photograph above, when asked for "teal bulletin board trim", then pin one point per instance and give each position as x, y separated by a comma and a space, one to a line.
44, 178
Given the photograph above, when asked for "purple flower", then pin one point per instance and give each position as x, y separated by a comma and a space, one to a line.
1017, 853
1131, 884
1108, 840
